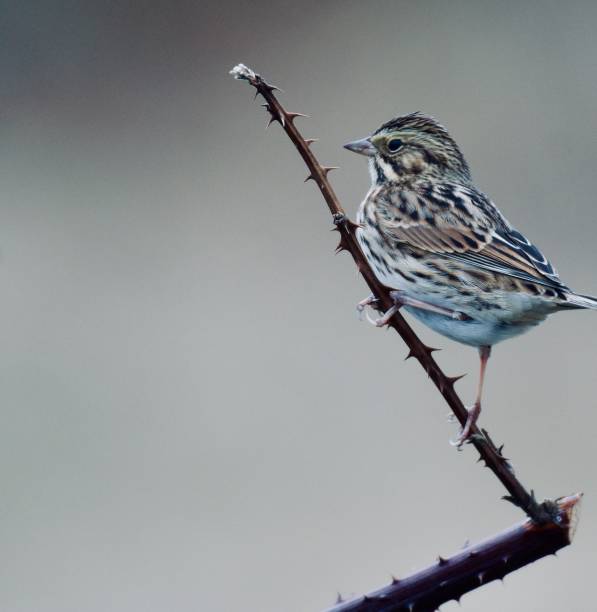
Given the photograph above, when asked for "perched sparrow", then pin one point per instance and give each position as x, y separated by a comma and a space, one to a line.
448, 254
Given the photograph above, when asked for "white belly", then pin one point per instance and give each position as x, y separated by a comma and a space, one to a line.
475, 332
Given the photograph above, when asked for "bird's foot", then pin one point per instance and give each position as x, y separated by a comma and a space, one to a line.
362, 305
385, 319
466, 433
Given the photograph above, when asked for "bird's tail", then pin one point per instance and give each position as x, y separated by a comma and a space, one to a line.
574, 300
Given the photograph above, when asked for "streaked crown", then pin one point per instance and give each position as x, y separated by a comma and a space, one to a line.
412, 146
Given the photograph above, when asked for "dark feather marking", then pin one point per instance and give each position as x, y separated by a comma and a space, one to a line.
410, 279
459, 203
532, 288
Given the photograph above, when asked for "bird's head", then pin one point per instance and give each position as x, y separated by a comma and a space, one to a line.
412, 146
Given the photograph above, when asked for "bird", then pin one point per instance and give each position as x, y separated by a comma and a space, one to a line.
444, 250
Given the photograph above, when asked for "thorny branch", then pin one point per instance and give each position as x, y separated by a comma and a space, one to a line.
470, 568
550, 524
489, 453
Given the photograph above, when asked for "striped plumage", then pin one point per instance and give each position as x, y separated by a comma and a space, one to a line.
440, 243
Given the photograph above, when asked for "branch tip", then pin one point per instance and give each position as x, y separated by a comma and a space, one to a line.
244, 73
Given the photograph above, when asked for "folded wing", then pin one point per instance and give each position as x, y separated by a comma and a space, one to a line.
461, 223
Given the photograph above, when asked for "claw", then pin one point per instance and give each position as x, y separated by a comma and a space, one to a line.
362, 305
370, 320
466, 435
385, 319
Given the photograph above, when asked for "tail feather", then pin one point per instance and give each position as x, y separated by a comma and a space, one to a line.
574, 300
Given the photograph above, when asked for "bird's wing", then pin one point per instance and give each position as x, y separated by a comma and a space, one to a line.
461, 223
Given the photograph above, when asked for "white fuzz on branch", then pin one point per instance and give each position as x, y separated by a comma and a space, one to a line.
240, 71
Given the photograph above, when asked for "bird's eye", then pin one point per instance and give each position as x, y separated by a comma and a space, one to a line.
394, 144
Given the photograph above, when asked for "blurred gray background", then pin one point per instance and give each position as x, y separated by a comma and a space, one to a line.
192, 417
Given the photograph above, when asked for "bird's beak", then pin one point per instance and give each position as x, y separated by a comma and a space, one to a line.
363, 146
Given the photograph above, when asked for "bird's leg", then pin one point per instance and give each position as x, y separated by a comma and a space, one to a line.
368, 301
402, 299
475, 410
406, 300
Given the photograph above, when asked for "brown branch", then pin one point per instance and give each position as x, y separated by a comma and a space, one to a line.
471, 567
489, 453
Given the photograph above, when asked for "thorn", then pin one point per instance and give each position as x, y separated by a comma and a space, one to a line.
328, 169
310, 177
430, 349
410, 354
269, 87
481, 577
310, 141
452, 380
339, 599
342, 245
273, 115
510, 499
500, 449
473, 553
466, 544
395, 580
441, 561
293, 116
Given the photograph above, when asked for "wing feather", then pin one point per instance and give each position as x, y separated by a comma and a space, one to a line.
461, 223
